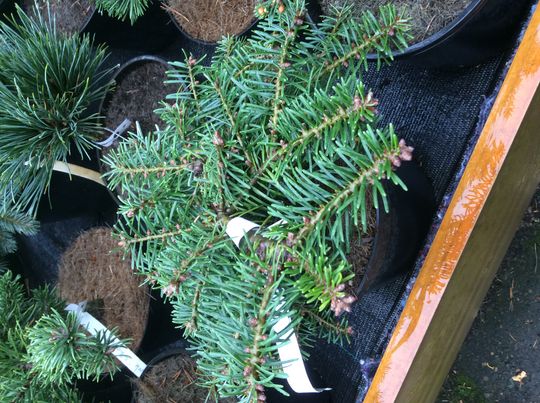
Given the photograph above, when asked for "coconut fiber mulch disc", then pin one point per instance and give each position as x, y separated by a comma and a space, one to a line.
209, 20
91, 270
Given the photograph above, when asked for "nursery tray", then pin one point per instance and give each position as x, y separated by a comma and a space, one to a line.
477, 221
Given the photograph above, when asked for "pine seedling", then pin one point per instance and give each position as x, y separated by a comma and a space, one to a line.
43, 349
123, 9
279, 129
47, 82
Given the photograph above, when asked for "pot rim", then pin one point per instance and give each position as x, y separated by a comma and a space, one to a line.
77, 32
177, 348
121, 70
447, 32
148, 303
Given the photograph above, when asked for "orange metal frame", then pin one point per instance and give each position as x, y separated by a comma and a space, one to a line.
496, 186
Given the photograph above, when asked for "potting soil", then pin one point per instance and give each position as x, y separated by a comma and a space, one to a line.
210, 20
70, 16
137, 94
172, 380
362, 245
426, 16
92, 270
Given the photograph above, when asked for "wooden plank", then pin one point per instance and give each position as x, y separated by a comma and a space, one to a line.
496, 187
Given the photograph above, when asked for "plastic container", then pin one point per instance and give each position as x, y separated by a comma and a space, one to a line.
117, 77
272, 396
207, 43
484, 29
401, 231
151, 33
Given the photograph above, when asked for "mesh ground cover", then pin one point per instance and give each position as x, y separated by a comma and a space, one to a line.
440, 113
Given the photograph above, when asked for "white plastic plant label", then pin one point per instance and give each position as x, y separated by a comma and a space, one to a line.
289, 352
238, 227
93, 326
116, 133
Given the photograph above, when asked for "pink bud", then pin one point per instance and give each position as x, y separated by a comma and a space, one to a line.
218, 140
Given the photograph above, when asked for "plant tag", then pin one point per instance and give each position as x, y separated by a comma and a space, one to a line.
238, 227
93, 326
121, 129
289, 353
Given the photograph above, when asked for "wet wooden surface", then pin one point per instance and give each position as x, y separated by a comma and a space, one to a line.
497, 185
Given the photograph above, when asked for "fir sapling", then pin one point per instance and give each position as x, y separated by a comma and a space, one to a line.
280, 130
47, 82
43, 349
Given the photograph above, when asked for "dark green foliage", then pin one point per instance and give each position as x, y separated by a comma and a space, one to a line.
43, 349
123, 9
13, 222
47, 82
281, 131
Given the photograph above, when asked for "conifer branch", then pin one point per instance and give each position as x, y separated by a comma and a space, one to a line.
367, 175
282, 65
123, 9
164, 235
145, 171
232, 121
191, 62
191, 326
368, 44
221, 174
362, 106
250, 370
332, 326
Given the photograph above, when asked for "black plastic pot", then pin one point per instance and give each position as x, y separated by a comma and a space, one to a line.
117, 77
197, 47
175, 348
401, 231
159, 332
482, 30
151, 33
38, 260
115, 390
10, 8
180, 346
